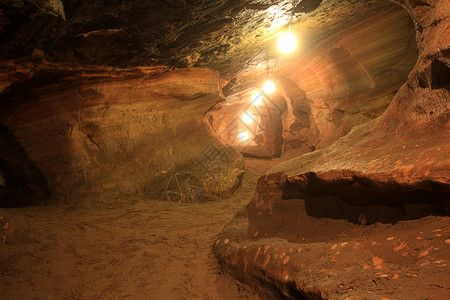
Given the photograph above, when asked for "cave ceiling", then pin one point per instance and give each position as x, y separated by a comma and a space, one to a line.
228, 36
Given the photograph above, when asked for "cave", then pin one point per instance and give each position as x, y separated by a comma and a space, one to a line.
242, 149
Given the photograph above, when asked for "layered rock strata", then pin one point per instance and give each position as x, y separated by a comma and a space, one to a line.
101, 136
392, 168
323, 91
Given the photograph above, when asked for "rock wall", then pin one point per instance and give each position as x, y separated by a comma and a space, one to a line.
394, 167
99, 137
407, 148
346, 80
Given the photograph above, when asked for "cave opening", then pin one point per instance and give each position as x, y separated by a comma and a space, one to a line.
171, 150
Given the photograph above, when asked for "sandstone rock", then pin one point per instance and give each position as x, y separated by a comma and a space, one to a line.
346, 80
383, 169
99, 136
29, 25
262, 124
223, 36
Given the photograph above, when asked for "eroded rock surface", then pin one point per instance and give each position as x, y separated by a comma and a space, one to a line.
100, 136
392, 168
220, 35
324, 91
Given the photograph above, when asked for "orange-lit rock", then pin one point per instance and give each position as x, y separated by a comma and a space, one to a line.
97, 135
346, 80
394, 167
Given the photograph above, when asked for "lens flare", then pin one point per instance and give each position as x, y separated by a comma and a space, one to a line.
257, 99
269, 87
287, 42
247, 118
243, 136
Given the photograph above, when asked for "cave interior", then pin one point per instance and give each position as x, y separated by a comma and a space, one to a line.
244, 149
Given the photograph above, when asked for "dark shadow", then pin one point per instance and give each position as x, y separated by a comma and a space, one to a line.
362, 201
306, 6
21, 182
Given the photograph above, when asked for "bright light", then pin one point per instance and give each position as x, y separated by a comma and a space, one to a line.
287, 42
243, 136
269, 87
257, 99
247, 118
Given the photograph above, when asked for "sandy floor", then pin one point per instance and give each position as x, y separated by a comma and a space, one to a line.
147, 250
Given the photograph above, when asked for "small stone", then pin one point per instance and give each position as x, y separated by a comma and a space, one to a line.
423, 253
401, 246
447, 241
390, 238
377, 261
285, 276
384, 275
405, 253
395, 276
438, 235
286, 260
334, 247
425, 263
439, 261
226, 241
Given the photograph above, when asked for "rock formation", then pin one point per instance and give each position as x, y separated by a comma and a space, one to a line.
105, 102
394, 167
99, 136
347, 80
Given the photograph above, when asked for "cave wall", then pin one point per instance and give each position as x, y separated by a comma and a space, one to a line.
351, 77
394, 167
346, 80
399, 160
102, 136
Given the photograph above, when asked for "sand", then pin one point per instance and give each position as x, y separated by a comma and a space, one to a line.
146, 249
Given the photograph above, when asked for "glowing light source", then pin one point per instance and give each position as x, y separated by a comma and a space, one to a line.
247, 118
243, 135
287, 42
269, 87
257, 99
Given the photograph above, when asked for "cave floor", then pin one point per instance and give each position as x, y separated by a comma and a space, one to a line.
152, 250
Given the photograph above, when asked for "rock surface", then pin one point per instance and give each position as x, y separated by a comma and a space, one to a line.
220, 35
100, 136
323, 92
392, 168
